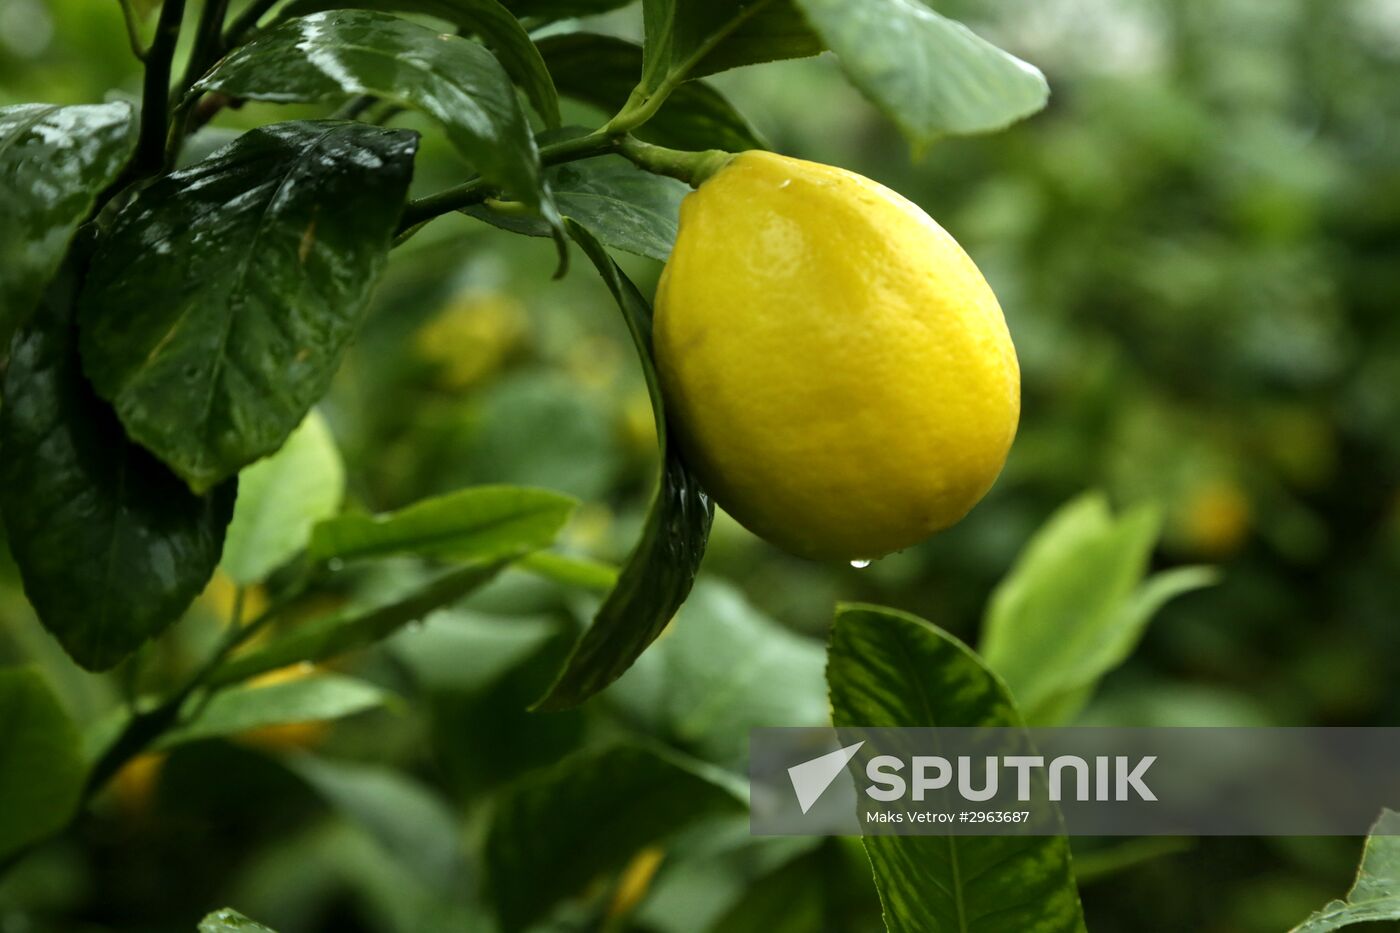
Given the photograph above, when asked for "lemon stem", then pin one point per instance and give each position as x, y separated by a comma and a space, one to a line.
690, 167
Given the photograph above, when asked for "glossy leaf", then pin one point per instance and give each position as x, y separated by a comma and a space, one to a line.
661, 569
479, 523
41, 765
229, 920
54, 162
886, 669
111, 545
333, 635
280, 499
583, 818
335, 55
313, 698
220, 303
931, 75
625, 207
692, 38
725, 668
1075, 605
602, 70
497, 25
1375, 896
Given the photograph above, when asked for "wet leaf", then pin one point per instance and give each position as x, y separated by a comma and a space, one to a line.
219, 305
495, 24
660, 571
931, 75
602, 70
625, 207
887, 669
479, 523
280, 500
335, 55
41, 765
111, 545
54, 162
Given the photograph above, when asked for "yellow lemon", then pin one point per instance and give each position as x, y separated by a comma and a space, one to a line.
839, 373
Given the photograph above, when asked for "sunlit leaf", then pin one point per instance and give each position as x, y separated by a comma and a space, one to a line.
54, 161
280, 499
886, 669
478, 523
931, 75
661, 569
41, 766
110, 544
220, 303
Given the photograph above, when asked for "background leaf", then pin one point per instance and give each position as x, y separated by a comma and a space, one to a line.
479, 523
625, 207
54, 161
1074, 606
661, 569
333, 635
312, 698
229, 920
280, 499
41, 766
497, 25
931, 75
888, 668
723, 669
1376, 894
602, 70
333, 56
111, 545
220, 303
558, 829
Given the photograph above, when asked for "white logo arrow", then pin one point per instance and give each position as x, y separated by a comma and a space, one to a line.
811, 778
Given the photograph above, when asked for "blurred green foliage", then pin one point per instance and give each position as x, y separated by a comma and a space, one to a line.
1197, 247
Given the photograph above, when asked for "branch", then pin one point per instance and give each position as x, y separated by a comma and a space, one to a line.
155, 96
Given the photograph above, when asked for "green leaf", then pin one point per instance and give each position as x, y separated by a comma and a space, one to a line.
1376, 894
479, 523
579, 572
725, 668
661, 569
229, 920
887, 669
41, 766
602, 70
221, 302
551, 10
625, 207
487, 18
280, 499
54, 161
312, 698
931, 75
110, 544
335, 55
693, 38
558, 829
1074, 606
329, 636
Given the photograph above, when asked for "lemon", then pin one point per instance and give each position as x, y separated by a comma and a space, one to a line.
838, 371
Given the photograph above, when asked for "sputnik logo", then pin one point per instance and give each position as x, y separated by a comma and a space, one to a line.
811, 778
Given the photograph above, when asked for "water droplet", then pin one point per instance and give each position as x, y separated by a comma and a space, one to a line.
860, 564
335, 565
785, 182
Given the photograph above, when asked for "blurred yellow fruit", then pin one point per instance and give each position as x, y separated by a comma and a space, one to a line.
838, 370
471, 338
1215, 518
134, 786
635, 881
